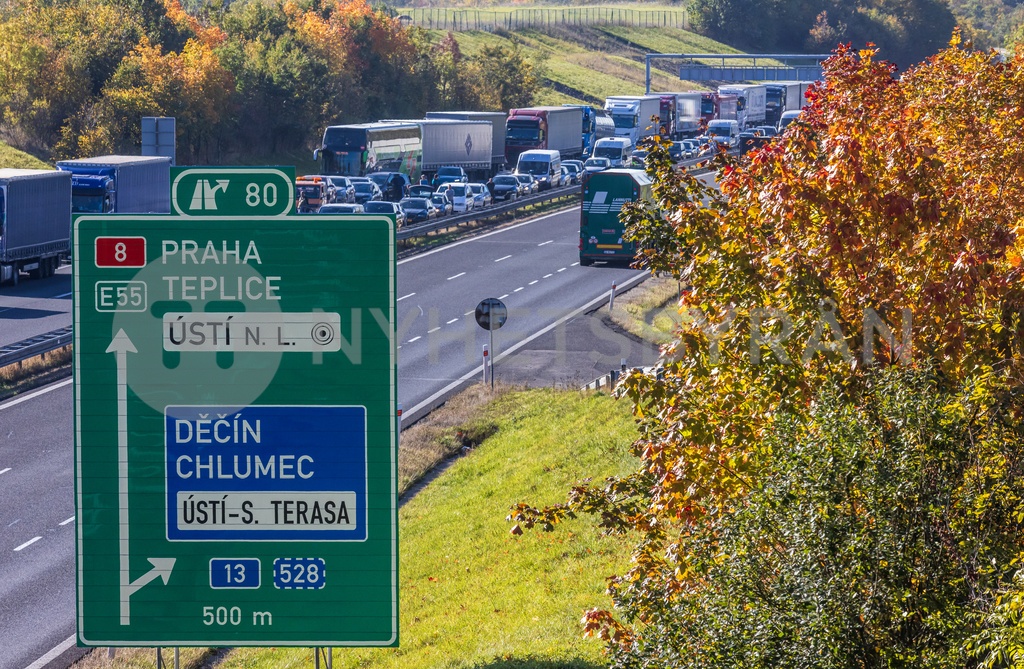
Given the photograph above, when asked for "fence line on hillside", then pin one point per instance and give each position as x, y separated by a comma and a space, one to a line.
458, 20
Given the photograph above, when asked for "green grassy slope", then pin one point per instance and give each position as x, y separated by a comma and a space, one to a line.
588, 64
473, 595
11, 157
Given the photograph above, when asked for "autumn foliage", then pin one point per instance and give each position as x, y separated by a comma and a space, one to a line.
243, 79
829, 468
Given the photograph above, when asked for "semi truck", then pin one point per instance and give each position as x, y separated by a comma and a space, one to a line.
355, 149
552, 128
680, 114
119, 184
751, 101
601, 230
453, 143
589, 134
35, 222
497, 121
782, 96
632, 115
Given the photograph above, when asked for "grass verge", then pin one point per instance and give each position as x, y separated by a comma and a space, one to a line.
648, 311
34, 372
11, 157
473, 595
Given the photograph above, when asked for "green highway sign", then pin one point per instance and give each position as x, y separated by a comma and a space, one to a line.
232, 191
235, 431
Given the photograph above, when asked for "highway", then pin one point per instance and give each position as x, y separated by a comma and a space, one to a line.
34, 307
532, 266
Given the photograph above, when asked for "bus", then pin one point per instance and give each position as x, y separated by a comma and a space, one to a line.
354, 150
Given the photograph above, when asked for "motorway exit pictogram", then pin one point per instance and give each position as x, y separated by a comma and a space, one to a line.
235, 432
232, 191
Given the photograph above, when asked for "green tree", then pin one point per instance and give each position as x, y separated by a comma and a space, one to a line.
507, 77
875, 231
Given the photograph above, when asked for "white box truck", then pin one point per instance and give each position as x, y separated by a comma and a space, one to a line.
751, 103
632, 115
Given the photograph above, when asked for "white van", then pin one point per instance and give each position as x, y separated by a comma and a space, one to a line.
725, 131
544, 164
619, 150
788, 117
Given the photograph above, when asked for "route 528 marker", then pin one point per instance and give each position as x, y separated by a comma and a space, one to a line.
235, 439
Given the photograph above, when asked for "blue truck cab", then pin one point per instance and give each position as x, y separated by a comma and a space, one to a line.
119, 184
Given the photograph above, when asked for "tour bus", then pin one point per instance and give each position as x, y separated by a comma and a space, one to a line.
544, 164
619, 150
355, 150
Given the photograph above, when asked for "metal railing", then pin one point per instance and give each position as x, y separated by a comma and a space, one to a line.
457, 20
38, 345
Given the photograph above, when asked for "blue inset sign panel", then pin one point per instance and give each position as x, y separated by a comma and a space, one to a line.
266, 473
235, 574
300, 573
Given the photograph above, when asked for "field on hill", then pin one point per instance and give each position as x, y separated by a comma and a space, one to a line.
586, 64
11, 157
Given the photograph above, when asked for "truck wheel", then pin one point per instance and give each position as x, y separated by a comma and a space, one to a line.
585, 262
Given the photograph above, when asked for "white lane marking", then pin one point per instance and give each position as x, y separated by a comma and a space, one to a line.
574, 264
448, 323
69, 520
433, 331
503, 296
469, 313
446, 247
57, 297
546, 276
4, 471
404, 296
27, 544
533, 282
414, 339
517, 289
544, 243
475, 372
563, 269
503, 258
456, 276
26, 398
53, 653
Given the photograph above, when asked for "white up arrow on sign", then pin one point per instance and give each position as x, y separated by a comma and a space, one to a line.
121, 346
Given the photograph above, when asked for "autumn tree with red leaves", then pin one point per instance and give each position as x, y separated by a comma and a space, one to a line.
829, 465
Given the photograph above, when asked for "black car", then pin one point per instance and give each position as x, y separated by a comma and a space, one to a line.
393, 185
418, 209
367, 191
505, 187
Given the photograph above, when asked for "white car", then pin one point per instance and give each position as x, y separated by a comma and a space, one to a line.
461, 196
596, 165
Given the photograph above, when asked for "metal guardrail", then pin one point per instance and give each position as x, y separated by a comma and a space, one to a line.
38, 345
423, 229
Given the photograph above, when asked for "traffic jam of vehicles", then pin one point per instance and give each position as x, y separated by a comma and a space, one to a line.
449, 163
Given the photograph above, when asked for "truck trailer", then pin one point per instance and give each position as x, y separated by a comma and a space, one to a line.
497, 121
751, 103
782, 96
680, 114
601, 231
553, 128
35, 222
119, 184
632, 115
454, 143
